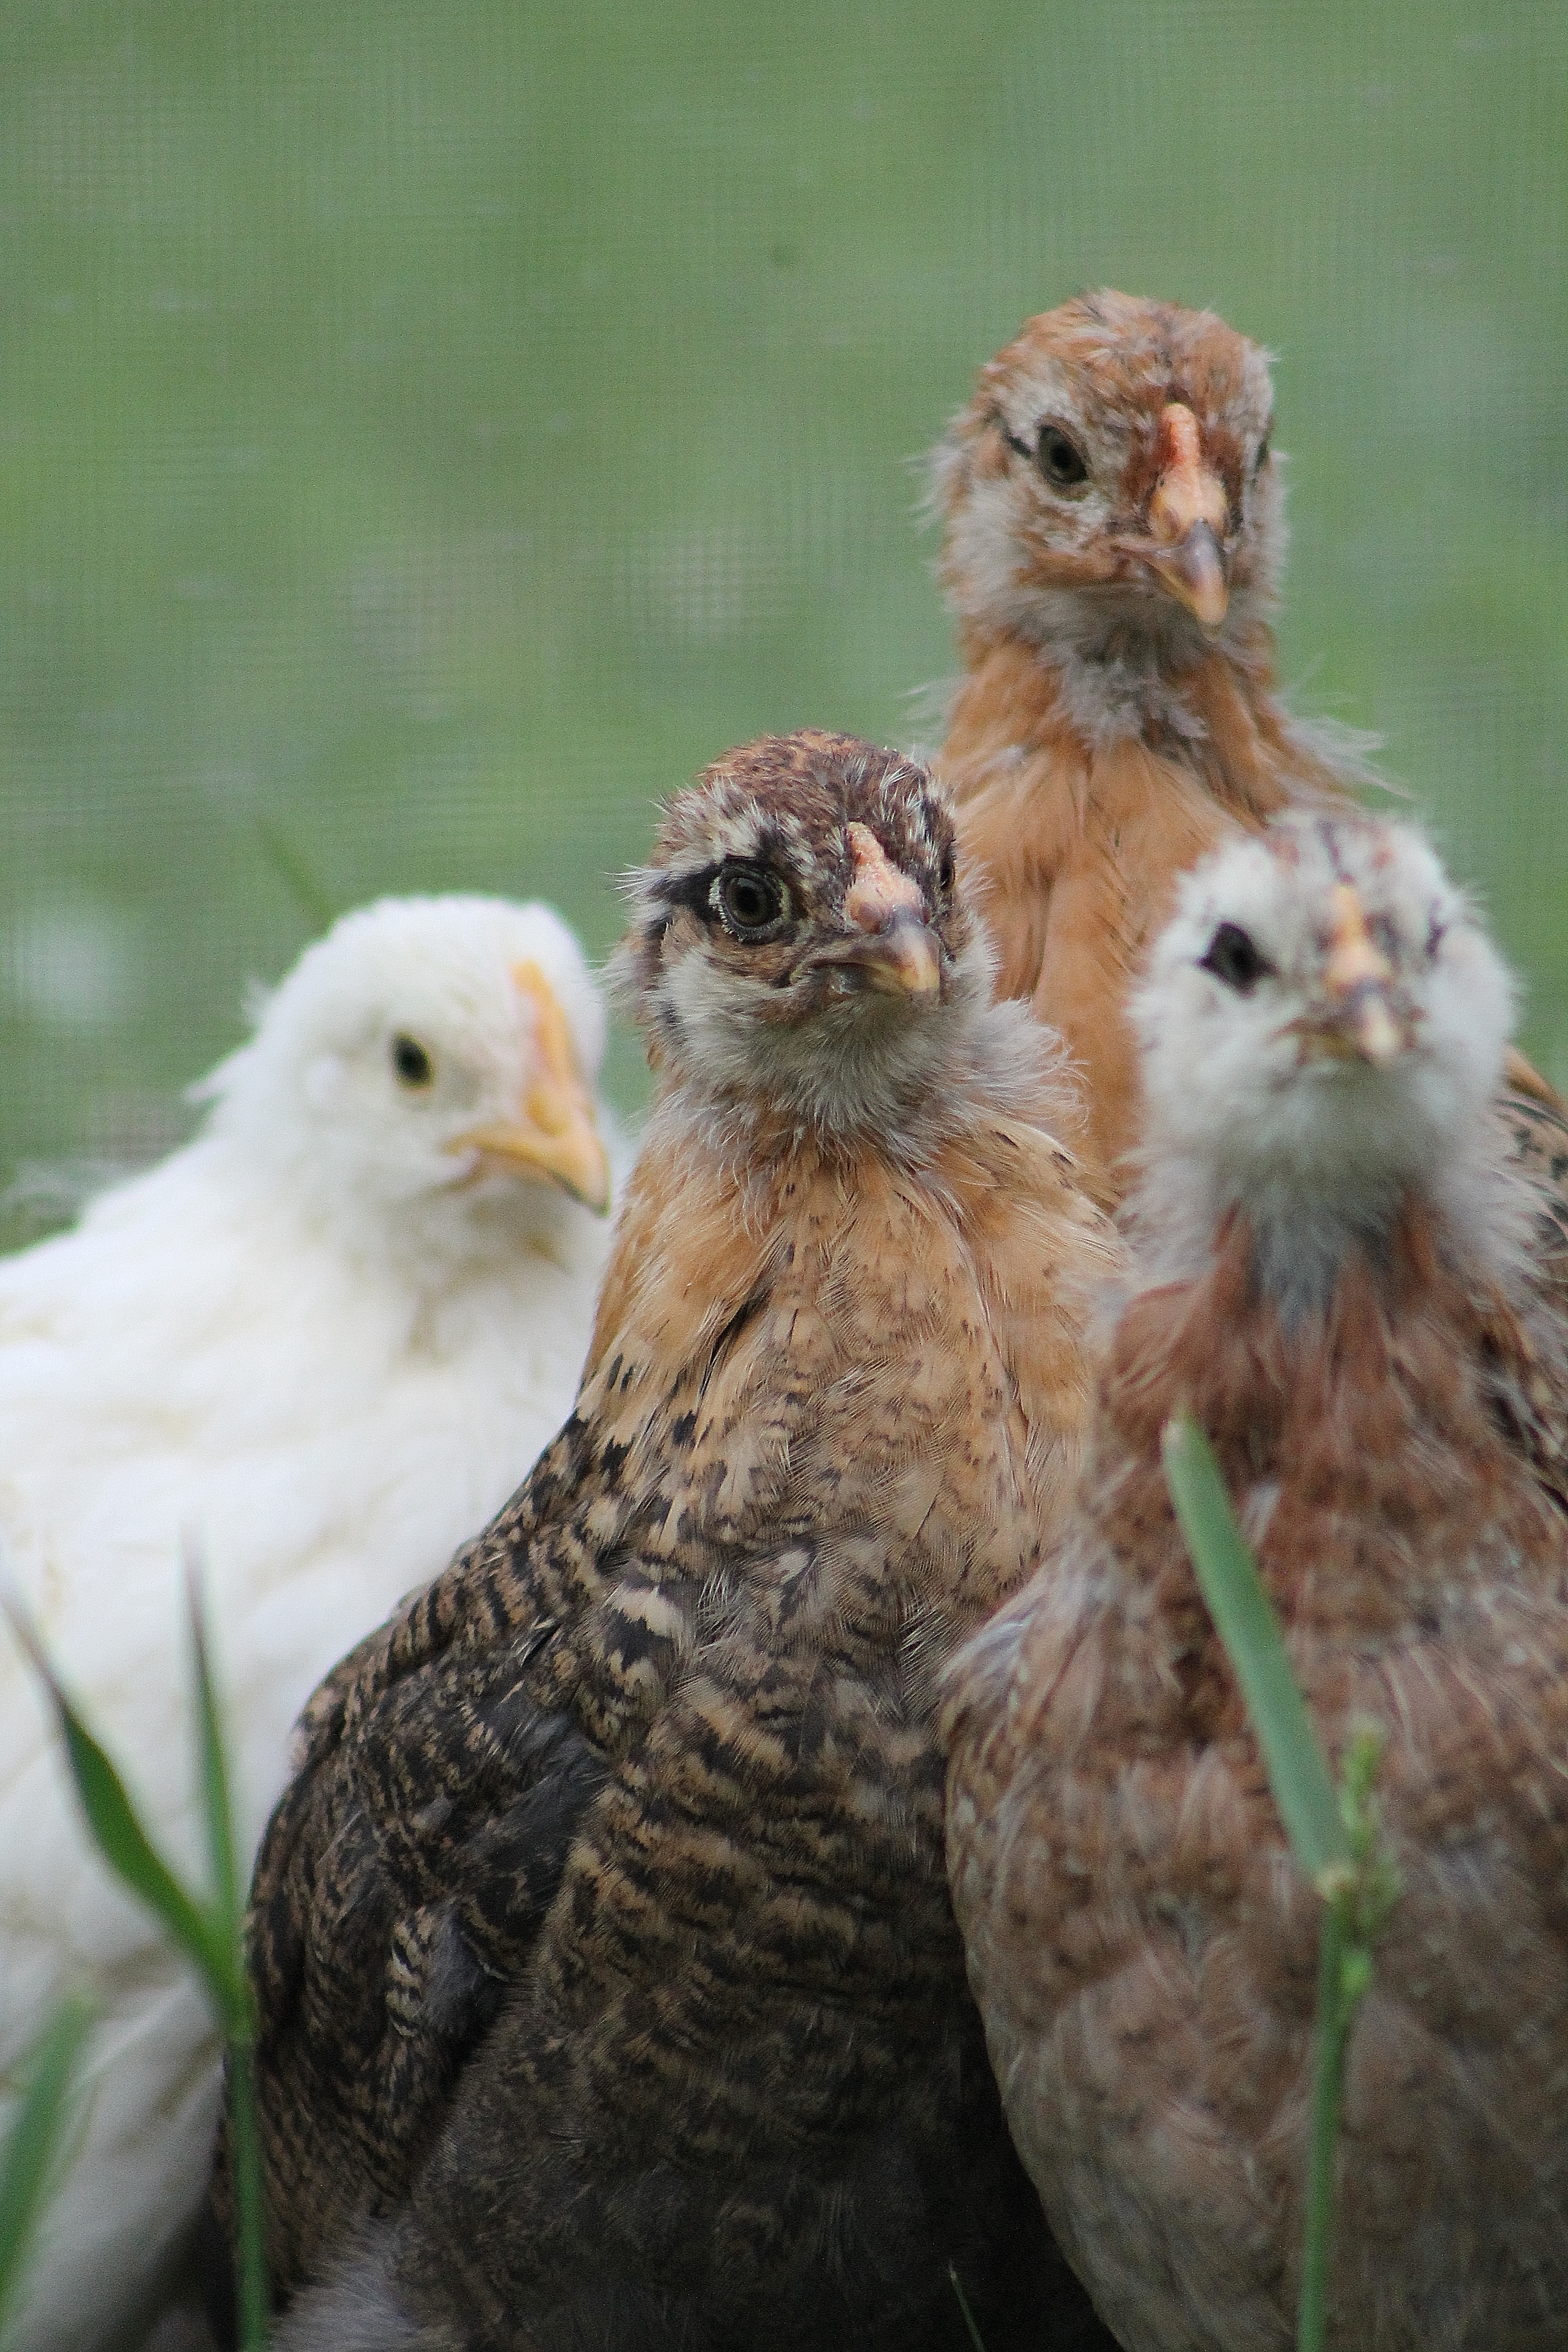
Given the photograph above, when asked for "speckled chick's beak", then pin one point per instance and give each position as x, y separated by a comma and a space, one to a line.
554, 1134
1189, 515
899, 953
1358, 979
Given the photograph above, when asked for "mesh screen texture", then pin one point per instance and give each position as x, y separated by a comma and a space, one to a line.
432, 428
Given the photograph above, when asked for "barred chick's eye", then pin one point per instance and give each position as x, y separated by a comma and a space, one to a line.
750, 901
1235, 958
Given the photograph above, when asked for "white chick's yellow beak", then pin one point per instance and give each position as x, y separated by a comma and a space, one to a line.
1358, 1022
1189, 516
554, 1133
891, 947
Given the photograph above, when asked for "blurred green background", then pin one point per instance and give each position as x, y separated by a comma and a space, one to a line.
436, 427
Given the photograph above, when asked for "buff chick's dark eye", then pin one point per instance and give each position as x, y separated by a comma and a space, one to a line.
1235, 957
750, 901
1061, 461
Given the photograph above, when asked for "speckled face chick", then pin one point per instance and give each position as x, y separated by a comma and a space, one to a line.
1323, 1018
799, 941
1112, 477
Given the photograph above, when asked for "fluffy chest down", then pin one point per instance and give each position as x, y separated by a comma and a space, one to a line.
847, 1465
1142, 1948
1083, 827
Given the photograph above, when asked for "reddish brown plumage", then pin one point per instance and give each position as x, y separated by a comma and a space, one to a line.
1141, 1947
1081, 850
1101, 741
1385, 1390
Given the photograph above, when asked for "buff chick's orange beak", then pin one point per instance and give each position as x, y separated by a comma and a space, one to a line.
897, 952
554, 1133
1359, 1023
1189, 516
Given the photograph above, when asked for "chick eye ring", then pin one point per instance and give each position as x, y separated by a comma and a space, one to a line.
748, 900
1060, 460
1057, 453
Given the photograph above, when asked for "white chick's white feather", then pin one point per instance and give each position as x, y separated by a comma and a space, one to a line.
317, 1348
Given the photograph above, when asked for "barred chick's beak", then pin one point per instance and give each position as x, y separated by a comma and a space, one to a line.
1189, 515
1360, 1023
896, 952
902, 961
554, 1134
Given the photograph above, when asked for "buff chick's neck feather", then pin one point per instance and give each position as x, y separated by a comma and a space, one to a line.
1114, 533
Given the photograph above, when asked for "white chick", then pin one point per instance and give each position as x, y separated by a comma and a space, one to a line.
316, 1348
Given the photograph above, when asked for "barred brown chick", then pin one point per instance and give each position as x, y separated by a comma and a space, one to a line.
610, 1991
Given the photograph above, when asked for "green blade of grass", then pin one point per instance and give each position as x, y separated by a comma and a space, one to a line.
974, 2335
1335, 1836
238, 2004
116, 1830
213, 1775
1231, 1586
212, 1935
250, 2243
35, 2137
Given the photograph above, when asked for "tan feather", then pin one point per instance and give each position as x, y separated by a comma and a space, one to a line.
1100, 742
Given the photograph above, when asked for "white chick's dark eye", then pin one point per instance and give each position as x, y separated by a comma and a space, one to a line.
411, 1062
1262, 459
749, 900
1060, 459
1235, 957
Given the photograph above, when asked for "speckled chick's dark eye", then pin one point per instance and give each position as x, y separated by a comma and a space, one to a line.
411, 1062
750, 901
1061, 461
1235, 957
